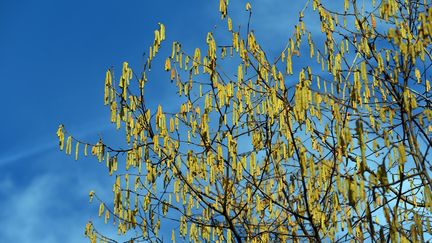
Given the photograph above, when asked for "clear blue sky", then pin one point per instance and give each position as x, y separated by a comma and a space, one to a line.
53, 56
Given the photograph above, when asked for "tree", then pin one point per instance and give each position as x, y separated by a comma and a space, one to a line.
338, 149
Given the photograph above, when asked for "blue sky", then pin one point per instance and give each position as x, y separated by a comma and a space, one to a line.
53, 59
53, 56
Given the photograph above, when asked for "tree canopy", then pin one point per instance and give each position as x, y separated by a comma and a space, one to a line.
327, 140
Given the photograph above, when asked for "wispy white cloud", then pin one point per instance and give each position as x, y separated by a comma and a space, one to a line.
49, 203
52, 207
29, 215
84, 130
25, 152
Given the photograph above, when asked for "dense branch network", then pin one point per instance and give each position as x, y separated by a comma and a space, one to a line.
275, 151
